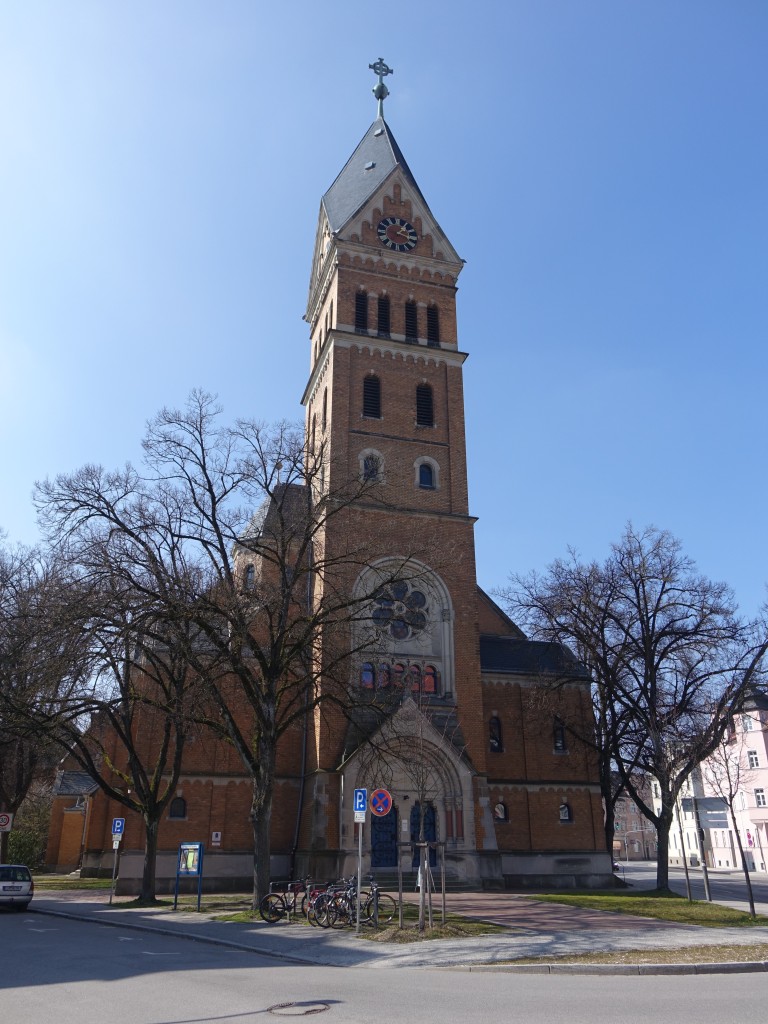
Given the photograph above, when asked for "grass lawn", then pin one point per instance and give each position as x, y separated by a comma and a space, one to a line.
662, 906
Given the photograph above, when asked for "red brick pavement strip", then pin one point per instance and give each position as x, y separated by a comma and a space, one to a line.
522, 912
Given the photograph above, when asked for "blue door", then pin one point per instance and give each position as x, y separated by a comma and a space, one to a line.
384, 840
430, 832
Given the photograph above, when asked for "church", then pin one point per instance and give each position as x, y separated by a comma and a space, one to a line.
477, 752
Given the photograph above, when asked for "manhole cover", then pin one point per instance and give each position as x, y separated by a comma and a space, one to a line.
297, 1009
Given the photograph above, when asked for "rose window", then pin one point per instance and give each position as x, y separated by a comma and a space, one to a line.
400, 610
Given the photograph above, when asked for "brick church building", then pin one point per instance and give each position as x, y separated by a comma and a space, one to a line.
479, 744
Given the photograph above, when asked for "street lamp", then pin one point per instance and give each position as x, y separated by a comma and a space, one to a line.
630, 832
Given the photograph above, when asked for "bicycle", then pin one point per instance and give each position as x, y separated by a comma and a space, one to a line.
282, 900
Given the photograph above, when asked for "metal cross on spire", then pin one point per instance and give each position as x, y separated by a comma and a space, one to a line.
380, 91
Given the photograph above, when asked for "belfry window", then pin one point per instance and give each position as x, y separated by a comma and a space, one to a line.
425, 416
382, 320
361, 312
411, 322
372, 398
325, 408
250, 577
433, 326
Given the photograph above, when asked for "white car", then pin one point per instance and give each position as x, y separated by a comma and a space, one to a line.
16, 886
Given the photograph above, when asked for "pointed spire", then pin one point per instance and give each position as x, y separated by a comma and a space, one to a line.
380, 91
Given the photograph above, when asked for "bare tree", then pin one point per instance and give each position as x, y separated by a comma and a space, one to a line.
226, 530
39, 665
726, 772
670, 659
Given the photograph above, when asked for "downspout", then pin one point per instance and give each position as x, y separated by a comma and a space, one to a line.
305, 732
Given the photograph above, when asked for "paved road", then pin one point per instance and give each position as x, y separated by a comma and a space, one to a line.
531, 929
71, 972
727, 887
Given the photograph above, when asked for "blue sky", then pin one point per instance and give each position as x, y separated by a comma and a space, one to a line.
602, 167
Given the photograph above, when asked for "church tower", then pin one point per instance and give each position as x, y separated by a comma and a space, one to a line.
385, 400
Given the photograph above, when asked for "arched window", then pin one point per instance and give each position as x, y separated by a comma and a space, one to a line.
314, 424
566, 814
250, 577
361, 312
372, 398
495, 744
325, 409
382, 677
411, 322
431, 683
382, 320
433, 326
500, 811
177, 807
398, 672
426, 476
425, 416
414, 674
366, 675
330, 315
371, 468
558, 737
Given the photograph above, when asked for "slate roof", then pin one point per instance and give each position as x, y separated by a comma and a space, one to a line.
510, 655
290, 500
355, 185
74, 784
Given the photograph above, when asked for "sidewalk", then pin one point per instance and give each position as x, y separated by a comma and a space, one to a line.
531, 929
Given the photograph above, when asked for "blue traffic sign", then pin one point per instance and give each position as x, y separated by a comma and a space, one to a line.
361, 800
381, 803
118, 826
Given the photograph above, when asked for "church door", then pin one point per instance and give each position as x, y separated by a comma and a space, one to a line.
384, 840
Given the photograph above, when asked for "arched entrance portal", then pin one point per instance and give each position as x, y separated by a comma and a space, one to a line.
384, 840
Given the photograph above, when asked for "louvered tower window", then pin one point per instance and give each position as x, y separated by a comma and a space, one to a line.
433, 326
372, 398
361, 312
424, 407
411, 322
383, 317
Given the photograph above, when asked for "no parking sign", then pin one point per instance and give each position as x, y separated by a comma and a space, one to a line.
381, 803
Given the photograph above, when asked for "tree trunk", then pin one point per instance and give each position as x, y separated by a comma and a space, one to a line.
4, 836
744, 865
662, 862
151, 827
610, 826
261, 819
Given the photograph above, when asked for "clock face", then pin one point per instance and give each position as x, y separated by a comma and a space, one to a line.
397, 234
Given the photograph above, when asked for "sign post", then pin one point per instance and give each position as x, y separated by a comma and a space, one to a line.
118, 828
359, 804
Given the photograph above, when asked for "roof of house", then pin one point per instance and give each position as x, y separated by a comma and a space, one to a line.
70, 783
510, 655
279, 515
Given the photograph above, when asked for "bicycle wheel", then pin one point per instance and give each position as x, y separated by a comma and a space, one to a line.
272, 907
321, 911
386, 910
341, 912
